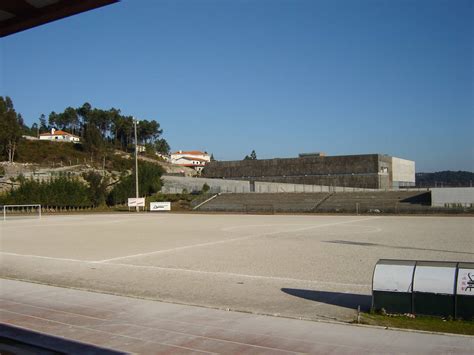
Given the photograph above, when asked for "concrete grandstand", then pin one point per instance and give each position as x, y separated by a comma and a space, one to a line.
325, 202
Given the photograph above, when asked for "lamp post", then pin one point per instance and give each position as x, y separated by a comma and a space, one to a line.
136, 162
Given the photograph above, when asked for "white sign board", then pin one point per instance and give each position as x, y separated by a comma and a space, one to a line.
434, 279
465, 282
160, 206
134, 202
393, 278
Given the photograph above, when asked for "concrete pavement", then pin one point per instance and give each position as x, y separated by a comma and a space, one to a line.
314, 267
143, 326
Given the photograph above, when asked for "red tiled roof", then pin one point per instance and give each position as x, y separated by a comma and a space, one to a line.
58, 133
191, 152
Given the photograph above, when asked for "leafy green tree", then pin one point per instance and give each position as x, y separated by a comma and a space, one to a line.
10, 128
253, 156
149, 182
34, 129
93, 141
53, 119
115, 129
122, 127
162, 146
70, 119
148, 131
43, 127
97, 188
61, 191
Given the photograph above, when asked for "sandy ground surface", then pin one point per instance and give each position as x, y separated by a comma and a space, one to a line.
309, 267
150, 327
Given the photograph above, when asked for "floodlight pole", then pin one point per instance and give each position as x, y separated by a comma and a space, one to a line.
136, 162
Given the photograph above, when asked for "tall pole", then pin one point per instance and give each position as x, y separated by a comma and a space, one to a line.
136, 162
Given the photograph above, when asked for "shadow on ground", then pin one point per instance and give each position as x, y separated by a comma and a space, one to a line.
15, 340
347, 300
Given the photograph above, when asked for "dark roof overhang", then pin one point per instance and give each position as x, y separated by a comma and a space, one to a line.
19, 15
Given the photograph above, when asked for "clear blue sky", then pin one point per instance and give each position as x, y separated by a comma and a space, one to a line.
278, 76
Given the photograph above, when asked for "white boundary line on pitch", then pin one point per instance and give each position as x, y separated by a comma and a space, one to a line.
179, 248
232, 274
46, 257
188, 271
233, 240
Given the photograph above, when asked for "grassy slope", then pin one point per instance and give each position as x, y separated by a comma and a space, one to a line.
431, 324
47, 153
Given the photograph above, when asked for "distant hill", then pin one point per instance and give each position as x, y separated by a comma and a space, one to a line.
47, 154
445, 179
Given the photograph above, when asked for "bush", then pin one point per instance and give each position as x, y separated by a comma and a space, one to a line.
205, 188
97, 188
117, 163
149, 182
62, 191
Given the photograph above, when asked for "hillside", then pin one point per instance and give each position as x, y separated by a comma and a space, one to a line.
445, 179
46, 154
43, 159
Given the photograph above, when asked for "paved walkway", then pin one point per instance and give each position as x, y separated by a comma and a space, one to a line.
142, 326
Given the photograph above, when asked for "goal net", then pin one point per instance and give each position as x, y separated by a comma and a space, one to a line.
20, 211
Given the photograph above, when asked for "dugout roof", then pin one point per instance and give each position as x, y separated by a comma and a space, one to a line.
19, 15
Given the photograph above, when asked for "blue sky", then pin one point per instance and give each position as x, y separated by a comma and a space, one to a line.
278, 76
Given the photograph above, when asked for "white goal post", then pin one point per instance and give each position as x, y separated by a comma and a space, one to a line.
21, 210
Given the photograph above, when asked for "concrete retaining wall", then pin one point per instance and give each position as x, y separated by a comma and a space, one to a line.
452, 197
350, 170
272, 187
176, 184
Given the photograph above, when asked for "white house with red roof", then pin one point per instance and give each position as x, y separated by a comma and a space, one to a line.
59, 136
193, 159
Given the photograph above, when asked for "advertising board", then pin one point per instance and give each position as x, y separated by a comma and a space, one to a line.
160, 206
134, 202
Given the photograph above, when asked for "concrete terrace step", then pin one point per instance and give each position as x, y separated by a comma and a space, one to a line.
384, 201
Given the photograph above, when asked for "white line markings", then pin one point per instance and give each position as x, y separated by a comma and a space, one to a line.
286, 279
198, 272
231, 274
45, 257
233, 240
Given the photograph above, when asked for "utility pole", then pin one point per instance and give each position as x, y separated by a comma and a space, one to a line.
136, 162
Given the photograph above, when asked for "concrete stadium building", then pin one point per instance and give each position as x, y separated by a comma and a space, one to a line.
375, 171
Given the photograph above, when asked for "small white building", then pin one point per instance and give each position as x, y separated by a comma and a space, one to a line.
193, 159
59, 136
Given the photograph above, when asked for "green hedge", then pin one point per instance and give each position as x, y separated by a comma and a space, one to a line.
62, 191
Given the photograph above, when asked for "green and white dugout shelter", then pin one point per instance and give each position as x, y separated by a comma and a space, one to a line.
424, 287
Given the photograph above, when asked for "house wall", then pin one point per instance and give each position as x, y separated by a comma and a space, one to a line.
176, 157
60, 138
